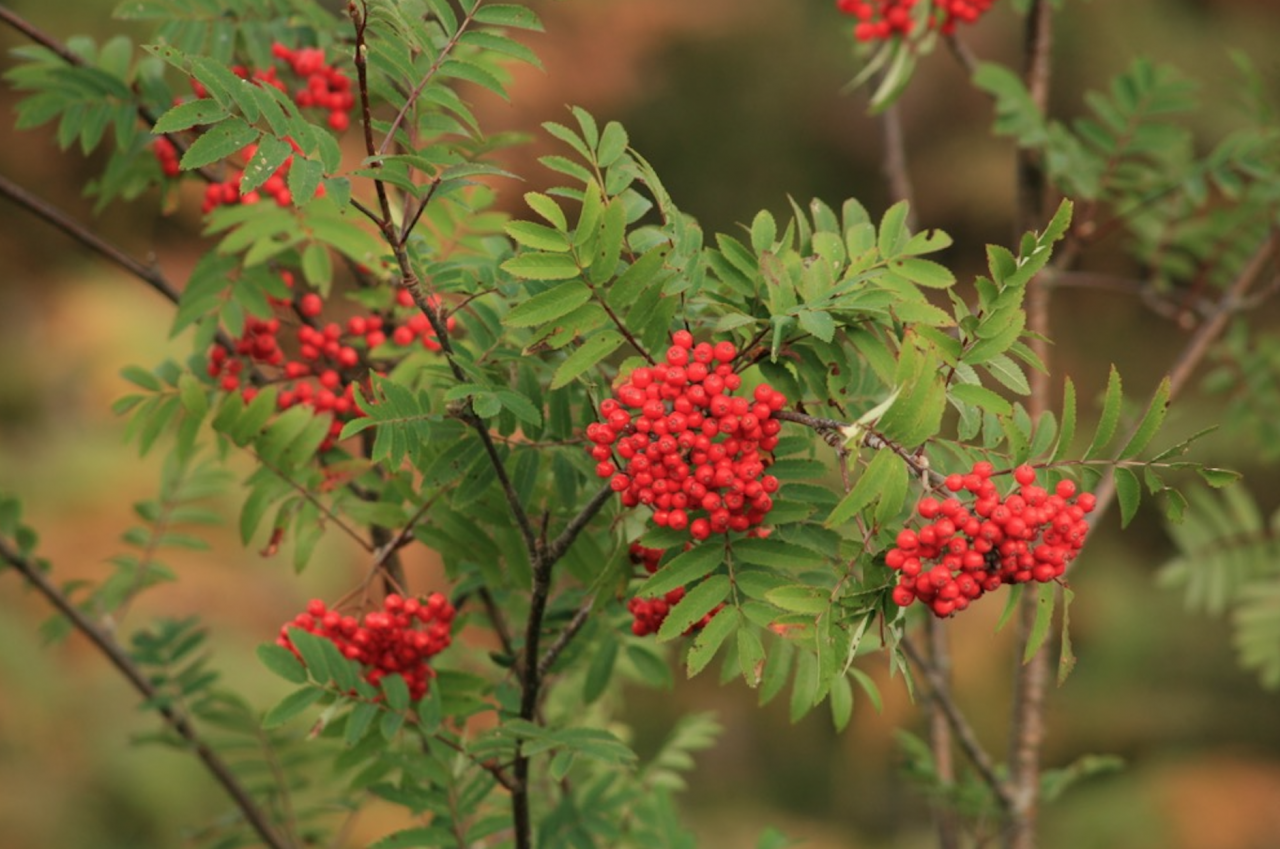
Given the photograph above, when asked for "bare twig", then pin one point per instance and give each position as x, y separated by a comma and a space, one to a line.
570, 631
172, 715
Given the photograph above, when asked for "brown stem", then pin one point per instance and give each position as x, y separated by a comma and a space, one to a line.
946, 818
894, 164
1031, 679
172, 715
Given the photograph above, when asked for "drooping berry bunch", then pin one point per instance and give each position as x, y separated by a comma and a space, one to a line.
879, 20
316, 84
650, 613
326, 368
399, 638
964, 551
686, 445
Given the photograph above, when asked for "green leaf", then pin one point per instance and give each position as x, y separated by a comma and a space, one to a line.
313, 655
613, 143
1044, 618
750, 656
419, 836
600, 670
507, 15
1067, 430
219, 142
292, 705
1109, 418
709, 639
396, 691
1150, 423
980, 396
537, 236
924, 272
548, 209
267, 159
542, 266
358, 722
586, 356
800, 598
190, 114
841, 698
866, 490
282, 662
893, 234
697, 603
1218, 478
549, 305
1128, 493
1066, 655
688, 566
818, 322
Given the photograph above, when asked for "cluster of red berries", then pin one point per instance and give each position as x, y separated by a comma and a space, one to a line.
879, 20
1029, 535
320, 85
399, 638
324, 373
687, 446
227, 192
650, 613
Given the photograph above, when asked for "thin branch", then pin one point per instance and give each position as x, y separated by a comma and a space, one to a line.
360, 18
494, 769
1235, 298
175, 718
42, 209
965, 736
498, 621
559, 545
570, 631
962, 53
831, 429
413, 96
53, 215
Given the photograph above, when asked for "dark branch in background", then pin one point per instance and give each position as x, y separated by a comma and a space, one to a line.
894, 164
1233, 300
147, 274
174, 717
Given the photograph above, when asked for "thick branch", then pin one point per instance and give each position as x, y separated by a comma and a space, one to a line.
176, 719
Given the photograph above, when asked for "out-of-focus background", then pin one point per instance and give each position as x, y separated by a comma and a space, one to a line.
738, 105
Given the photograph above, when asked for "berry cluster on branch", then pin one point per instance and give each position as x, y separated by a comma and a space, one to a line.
676, 438
880, 20
399, 638
325, 366
964, 551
